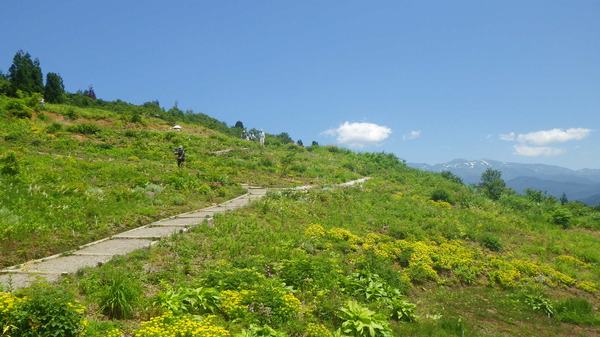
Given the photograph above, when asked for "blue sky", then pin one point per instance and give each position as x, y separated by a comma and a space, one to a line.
429, 81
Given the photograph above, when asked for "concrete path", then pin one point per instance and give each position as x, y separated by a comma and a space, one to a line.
101, 251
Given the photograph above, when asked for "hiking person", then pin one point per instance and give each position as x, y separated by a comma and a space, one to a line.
180, 156
261, 137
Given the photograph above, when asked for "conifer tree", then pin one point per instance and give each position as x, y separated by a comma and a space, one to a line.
54, 92
492, 183
25, 74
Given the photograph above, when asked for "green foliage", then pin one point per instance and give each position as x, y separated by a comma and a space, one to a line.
25, 74
309, 272
492, 184
47, 311
563, 199
491, 242
540, 303
117, 293
561, 217
4, 84
359, 321
402, 310
260, 331
441, 195
283, 138
452, 177
454, 326
54, 128
577, 311
18, 108
10, 164
535, 196
54, 91
189, 300
84, 128
371, 288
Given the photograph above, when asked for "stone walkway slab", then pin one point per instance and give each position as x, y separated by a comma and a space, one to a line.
114, 247
148, 232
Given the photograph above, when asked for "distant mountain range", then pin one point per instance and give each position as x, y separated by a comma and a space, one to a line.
582, 185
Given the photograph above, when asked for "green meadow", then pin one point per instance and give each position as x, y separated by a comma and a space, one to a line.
406, 253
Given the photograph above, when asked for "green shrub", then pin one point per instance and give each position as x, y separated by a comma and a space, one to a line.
117, 292
189, 300
540, 303
10, 164
54, 128
441, 195
47, 311
17, 108
359, 321
491, 242
452, 177
84, 128
71, 113
561, 217
309, 272
402, 310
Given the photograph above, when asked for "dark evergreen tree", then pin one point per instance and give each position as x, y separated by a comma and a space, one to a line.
299, 142
239, 124
563, 199
54, 92
492, 183
25, 74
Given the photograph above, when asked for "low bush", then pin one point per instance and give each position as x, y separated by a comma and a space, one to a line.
42, 310
441, 195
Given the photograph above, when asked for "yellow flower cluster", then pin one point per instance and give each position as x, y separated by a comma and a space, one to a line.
169, 325
77, 307
291, 306
441, 204
426, 261
314, 231
573, 261
114, 333
317, 330
398, 195
232, 302
343, 234
7, 304
587, 286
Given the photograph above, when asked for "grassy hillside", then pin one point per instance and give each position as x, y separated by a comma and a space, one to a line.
405, 253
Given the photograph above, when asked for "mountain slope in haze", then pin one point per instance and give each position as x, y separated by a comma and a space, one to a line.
582, 185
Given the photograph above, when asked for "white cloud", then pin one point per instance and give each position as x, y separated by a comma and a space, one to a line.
412, 135
534, 151
532, 144
553, 136
508, 136
359, 135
